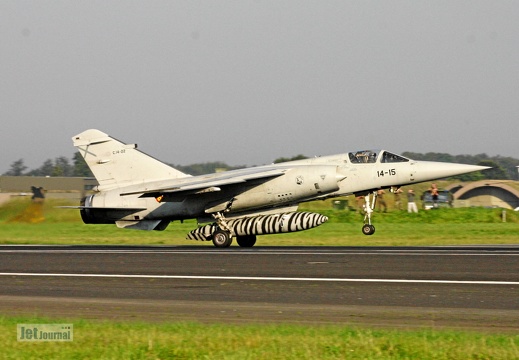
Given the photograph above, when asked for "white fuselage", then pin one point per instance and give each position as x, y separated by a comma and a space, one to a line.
303, 180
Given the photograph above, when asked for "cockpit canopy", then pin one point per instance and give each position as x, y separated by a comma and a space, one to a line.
373, 156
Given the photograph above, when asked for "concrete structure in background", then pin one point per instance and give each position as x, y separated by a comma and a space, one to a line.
488, 193
54, 187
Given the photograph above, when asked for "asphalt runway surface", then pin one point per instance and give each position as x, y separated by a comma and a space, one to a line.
403, 287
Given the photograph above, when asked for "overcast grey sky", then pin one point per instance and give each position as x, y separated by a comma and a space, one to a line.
246, 82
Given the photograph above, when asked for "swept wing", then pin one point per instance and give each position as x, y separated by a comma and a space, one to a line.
210, 183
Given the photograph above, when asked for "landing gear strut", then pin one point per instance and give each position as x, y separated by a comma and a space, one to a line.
367, 228
222, 237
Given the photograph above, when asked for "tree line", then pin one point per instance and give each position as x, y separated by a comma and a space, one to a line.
503, 168
61, 166
77, 167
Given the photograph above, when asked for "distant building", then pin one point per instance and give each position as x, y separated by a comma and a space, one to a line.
54, 187
445, 199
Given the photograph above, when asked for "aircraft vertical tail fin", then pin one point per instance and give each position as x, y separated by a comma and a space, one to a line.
115, 163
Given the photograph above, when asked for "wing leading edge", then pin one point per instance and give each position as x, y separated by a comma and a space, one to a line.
204, 183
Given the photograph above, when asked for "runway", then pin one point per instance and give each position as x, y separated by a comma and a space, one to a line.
455, 287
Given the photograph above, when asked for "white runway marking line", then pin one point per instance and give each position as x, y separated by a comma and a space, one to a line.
184, 252
261, 278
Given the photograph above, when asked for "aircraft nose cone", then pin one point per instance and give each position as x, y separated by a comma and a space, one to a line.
429, 170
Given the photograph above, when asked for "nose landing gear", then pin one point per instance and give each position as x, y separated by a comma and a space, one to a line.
368, 229
369, 207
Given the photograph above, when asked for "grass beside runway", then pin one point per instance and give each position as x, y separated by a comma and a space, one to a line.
133, 340
465, 226
136, 340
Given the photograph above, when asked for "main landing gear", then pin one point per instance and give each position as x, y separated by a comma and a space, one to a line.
369, 207
222, 236
246, 240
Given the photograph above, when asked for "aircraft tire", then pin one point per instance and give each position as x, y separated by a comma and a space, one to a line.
246, 240
368, 229
222, 239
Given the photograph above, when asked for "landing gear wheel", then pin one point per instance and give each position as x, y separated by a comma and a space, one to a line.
246, 240
368, 229
222, 239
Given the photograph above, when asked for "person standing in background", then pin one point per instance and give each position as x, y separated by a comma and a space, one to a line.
398, 198
411, 204
434, 194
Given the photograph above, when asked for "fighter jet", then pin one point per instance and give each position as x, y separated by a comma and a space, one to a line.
137, 191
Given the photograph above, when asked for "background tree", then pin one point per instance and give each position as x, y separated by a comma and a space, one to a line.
80, 167
497, 172
205, 168
62, 167
45, 170
283, 159
17, 168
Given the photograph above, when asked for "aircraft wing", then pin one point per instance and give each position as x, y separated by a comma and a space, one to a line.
210, 183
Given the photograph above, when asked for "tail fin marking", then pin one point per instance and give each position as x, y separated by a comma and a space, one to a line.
116, 164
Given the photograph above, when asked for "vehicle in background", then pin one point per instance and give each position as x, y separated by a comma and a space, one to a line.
445, 199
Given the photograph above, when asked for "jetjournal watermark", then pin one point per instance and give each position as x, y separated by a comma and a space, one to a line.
45, 332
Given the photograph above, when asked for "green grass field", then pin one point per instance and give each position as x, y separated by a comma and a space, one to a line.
180, 340
465, 226
133, 340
